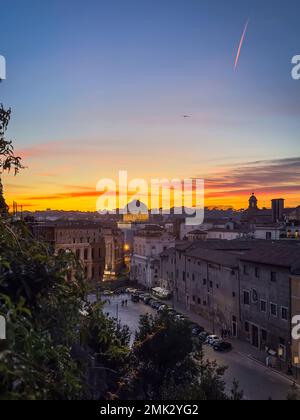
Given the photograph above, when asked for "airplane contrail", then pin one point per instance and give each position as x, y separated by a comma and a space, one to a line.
241, 45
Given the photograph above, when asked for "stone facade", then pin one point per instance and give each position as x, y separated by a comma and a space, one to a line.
295, 304
207, 283
265, 306
114, 253
85, 241
149, 243
249, 287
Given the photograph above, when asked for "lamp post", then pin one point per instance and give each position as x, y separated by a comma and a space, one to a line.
280, 355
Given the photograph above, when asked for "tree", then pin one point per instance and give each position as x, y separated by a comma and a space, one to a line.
8, 161
56, 341
59, 346
236, 393
165, 365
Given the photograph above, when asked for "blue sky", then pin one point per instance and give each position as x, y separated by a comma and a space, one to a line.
110, 80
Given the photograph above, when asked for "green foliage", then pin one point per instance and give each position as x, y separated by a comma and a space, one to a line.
8, 161
47, 318
236, 393
42, 312
108, 341
165, 366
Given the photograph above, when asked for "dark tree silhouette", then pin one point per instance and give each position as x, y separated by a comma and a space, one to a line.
8, 161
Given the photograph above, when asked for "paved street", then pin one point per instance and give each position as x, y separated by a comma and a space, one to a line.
128, 315
257, 382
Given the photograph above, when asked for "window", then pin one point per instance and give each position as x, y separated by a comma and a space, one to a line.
257, 272
211, 284
246, 271
246, 298
204, 282
233, 294
284, 313
199, 301
193, 277
254, 296
264, 335
263, 306
273, 310
194, 299
273, 277
247, 327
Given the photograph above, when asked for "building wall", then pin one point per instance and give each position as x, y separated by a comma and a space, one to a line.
225, 235
144, 268
263, 291
210, 290
114, 253
267, 234
87, 244
167, 272
295, 304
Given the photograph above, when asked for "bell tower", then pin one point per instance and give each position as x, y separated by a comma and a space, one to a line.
253, 202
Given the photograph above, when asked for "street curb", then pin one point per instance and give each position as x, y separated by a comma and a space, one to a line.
250, 357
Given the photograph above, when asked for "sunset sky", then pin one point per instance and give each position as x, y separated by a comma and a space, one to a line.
101, 86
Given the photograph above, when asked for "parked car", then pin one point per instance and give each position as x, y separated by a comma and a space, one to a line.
147, 299
222, 346
211, 339
180, 318
172, 312
135, 298
196, 329
156, 304
130, 290
163, 308
203, 336
108, 293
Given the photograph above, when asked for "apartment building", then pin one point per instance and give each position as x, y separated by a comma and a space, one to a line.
250, 287
149, 243
266, 296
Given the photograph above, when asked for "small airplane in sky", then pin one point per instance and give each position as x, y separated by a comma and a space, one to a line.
187, 116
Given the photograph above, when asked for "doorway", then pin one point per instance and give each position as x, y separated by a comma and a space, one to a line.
255, 336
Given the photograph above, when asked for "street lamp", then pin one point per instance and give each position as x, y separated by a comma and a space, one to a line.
280, 355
